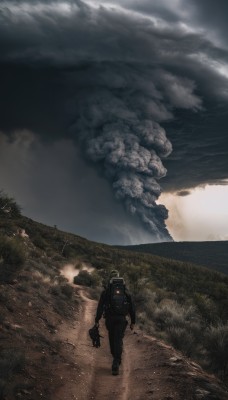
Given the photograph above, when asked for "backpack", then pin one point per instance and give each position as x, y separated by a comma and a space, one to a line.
118, 303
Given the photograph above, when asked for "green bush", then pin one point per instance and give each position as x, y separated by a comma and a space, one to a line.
84, 278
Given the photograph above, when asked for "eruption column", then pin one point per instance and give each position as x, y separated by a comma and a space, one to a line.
117, 133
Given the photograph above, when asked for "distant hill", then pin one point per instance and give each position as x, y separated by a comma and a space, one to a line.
213, 255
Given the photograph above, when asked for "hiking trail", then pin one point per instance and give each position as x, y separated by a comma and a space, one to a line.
150, 369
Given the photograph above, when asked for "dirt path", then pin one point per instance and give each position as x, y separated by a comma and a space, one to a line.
150, 369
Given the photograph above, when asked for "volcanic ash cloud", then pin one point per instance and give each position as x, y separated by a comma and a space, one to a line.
119, 135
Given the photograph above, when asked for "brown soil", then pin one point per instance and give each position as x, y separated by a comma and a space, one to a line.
150, 370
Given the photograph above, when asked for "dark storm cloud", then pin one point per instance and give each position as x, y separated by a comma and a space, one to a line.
183, 193
66, 33
54, 185
112, 80
200, 148
212, 15
202, 14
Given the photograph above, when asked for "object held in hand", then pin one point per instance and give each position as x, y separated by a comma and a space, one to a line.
95, 336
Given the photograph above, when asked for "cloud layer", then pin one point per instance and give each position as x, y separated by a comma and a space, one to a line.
112, 79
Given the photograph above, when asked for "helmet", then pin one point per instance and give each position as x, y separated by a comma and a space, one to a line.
114, 274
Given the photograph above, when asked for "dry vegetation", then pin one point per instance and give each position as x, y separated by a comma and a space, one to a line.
181, 303
35, 299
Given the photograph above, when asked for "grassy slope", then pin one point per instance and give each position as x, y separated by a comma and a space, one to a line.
213, 255
181, 280
169, 294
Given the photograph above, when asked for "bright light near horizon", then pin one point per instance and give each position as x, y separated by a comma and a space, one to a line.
201, 215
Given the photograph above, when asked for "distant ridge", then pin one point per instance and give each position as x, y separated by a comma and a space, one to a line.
213, 255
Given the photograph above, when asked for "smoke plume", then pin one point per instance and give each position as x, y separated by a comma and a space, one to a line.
120, 76
116, 128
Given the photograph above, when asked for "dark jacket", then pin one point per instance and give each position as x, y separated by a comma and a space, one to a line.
103, 301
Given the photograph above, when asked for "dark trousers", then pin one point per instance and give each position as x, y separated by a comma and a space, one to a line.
116, 326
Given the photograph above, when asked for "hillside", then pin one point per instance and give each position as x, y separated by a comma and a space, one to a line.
213, 255
42, 314
150, 370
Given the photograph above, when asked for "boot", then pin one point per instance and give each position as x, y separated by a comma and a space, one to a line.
115, 367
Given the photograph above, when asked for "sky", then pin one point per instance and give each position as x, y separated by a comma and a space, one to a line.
113, 116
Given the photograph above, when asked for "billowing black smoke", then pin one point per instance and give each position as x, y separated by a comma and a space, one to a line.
118, 81
116, 124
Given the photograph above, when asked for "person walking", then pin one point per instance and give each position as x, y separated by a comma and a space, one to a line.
115, 304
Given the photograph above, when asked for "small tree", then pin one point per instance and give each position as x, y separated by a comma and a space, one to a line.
8, 206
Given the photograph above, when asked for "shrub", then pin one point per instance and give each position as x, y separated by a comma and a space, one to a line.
63, 291
12, 258
39, 242
145, 301
182, 339
207, 308
67, 290
84, 278
165, 317
145, 324
23, 287
41, 270
160, 295
134, 275
55, 290
9, 204
62, 307
11, 251
36, 284
216, 343
149, 308
96, 279
172, 314
142, 319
